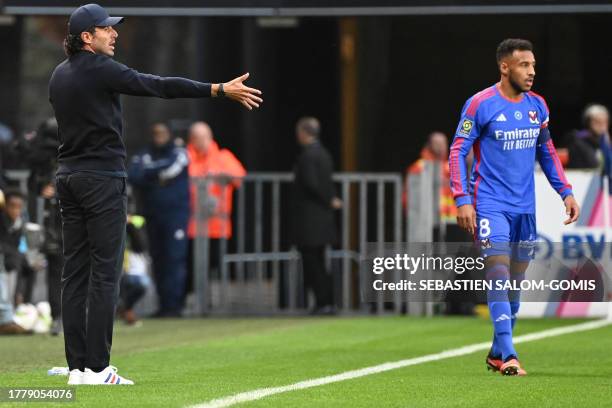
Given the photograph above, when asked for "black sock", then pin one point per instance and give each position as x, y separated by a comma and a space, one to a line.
97, 369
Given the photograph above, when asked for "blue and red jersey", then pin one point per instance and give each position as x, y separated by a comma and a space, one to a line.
508, 136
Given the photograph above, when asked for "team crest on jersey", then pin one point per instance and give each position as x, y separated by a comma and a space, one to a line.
485, 244
533, 117
518, 115
466, 127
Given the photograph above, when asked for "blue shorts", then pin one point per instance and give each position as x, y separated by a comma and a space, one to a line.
506, 233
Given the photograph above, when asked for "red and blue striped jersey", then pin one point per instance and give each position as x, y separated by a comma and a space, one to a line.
508, 136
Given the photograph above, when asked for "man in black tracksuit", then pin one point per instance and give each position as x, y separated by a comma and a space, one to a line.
160, 174
91, 179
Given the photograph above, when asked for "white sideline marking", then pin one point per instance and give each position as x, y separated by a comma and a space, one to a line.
348, 375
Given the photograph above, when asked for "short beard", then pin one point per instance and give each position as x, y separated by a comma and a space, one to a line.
515, 85
100, 51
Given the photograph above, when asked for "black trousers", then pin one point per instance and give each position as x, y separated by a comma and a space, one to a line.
169, 247
26, 278
94, 211
55, 262
316, 276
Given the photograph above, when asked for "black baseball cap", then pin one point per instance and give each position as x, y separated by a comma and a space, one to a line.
90, 15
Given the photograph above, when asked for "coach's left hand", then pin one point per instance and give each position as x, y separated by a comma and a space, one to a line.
237, 91
571, 209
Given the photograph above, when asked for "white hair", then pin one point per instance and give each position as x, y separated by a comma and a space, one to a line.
594, 110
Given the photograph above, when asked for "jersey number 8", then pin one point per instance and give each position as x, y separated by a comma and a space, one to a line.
485, 230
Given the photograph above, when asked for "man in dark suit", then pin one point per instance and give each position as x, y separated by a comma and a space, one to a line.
314, 204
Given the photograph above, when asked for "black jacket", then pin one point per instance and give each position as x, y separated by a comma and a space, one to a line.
313, 216
583, 153
160, 175
84, 91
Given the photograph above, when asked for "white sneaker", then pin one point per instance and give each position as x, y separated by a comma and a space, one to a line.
75, 377
108, 376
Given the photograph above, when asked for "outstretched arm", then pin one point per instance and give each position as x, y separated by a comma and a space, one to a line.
125, 80
237, 91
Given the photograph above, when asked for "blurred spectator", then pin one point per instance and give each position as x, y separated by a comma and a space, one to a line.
6, 139
314, 203
14, 245
160, 174
590, 148
207, 159
39, 150
135, 279
436, 150
6, 134
7, 322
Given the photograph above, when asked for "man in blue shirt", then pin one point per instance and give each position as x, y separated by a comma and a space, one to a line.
507, 126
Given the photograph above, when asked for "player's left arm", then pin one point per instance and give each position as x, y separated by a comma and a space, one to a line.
551, 165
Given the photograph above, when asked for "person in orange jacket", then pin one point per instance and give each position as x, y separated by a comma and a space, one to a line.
206, 159
436, 150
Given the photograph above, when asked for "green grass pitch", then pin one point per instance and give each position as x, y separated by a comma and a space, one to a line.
181, 362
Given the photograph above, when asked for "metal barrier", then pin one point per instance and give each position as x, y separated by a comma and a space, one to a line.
261, 273
19, 176
421, 216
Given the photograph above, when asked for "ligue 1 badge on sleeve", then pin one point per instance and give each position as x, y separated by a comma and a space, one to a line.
466, 127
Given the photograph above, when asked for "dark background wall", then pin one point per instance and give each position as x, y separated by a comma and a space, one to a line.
420, 70
297, 70
414, 74
10, 57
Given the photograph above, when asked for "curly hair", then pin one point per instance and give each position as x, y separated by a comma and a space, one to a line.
73, 42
